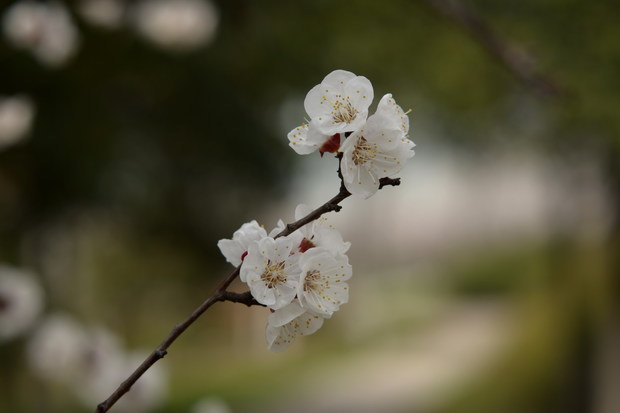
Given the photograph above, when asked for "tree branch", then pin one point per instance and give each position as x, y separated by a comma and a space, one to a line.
220, 294
242, 298
518, 62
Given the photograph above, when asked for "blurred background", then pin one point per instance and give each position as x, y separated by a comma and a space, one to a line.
135, 135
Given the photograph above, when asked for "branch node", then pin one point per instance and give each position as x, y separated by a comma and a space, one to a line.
333, 207
243, 298
161, 354
389, 182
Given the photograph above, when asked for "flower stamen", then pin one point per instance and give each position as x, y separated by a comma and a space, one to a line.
273, 274
364, 151
311, 281
343, 112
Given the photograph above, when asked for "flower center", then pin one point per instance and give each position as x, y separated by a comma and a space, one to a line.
311, 281
364, 151
343, 112
331, 145
273, 274
305, 245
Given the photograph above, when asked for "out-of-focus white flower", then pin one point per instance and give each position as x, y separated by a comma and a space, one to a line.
16, 116
234, 249
108, 14
21, 301
55, 348
91, 361
271, 271
379, 149
44, 29
145, 395
211, 404
148, 392
176, 25
62, 349
339, 104
286, 324
323, 286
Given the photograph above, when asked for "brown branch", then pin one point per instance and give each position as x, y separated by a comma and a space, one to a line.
242, 298
519, 63
220, 294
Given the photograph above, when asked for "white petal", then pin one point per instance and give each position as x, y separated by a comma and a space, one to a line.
260, 291
286, 314
360, 181
279, 338
250, 231
298, 140
283, 247
315, 137
359, 92
383, 131
253, 263
338, 77
266, 248
391, 162
284, 295
389, 109
309, 323
316, 106
231, 250
331, 239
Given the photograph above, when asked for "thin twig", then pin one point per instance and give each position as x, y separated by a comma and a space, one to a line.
519, 63
220, 294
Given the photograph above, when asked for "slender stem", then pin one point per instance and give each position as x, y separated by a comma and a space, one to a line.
220, 294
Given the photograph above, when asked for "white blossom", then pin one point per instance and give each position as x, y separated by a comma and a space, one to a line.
339, 104
44, 29
91, 361
234, 249
145, 395
16, 118
286, 324
55, 347
318, 233
323, 288
108, 14
63, 349
176, 25
271, 271
21, 302
379, 149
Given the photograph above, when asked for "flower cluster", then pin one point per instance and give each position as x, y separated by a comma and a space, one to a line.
301, 277
370, 147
